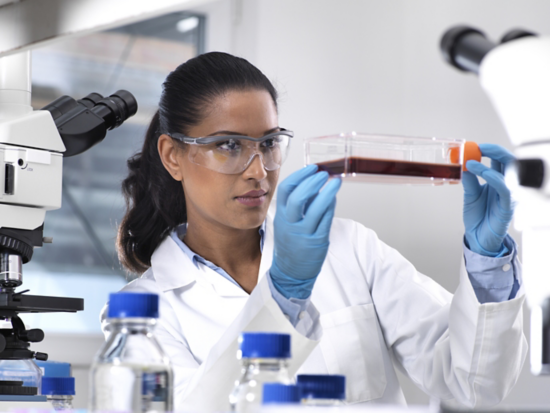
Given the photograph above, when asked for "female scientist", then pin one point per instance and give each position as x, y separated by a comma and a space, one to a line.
199, 230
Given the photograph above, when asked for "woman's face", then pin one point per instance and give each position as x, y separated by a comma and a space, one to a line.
241, 200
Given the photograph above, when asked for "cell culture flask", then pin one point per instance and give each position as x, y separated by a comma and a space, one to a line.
391, 159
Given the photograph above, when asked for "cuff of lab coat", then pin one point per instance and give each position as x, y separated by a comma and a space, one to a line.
494, 279
293, 308
476, 330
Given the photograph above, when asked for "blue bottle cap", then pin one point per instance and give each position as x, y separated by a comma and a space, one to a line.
135, 305
60, 386
278, 393
318, 386
54, 368
264, 345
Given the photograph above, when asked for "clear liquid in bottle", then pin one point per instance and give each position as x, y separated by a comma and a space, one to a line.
131, 373
133, 388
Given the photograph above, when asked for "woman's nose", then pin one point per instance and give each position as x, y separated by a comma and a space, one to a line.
255, 169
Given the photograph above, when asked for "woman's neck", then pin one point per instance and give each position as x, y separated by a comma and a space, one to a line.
236, 251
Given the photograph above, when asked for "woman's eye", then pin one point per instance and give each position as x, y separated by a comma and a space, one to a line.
271, 143
229, 145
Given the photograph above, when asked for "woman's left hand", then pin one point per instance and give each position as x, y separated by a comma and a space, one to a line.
488, 208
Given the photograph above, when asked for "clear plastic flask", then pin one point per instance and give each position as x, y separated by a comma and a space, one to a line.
59, 391
264, 359
322, 389
391, 159
131, 373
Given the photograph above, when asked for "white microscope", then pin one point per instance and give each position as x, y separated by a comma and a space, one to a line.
515, 74
32, 147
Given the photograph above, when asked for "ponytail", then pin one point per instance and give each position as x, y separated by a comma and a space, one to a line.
155, 204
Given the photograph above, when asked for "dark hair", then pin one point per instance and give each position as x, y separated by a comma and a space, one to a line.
155, 203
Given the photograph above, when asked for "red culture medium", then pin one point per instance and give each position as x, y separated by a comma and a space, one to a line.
391, 167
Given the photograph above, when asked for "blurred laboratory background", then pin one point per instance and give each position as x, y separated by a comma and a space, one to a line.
339, 65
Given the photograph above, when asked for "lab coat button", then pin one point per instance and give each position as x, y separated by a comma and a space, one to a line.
506, 267
302, 314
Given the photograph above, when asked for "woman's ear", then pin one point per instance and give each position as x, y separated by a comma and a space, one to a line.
168, 155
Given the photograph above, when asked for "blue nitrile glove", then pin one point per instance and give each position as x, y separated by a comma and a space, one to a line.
301, 227
488, 208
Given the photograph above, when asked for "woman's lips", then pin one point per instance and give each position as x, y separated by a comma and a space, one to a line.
252, 198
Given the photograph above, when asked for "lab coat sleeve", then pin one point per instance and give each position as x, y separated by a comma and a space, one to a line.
452, 347
293, 308
205, 387
494, 279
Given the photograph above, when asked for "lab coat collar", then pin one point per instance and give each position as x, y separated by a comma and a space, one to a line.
179, 233
267, 250
171, 267
226, 288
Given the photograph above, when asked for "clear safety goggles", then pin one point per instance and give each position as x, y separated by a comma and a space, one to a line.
232, 154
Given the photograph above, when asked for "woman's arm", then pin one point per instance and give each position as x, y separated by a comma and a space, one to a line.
450, 346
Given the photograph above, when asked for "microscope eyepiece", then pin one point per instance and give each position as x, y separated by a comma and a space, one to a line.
90, 100
60, 106
465, 47
115, 109
80, 131
515, 34
528, 172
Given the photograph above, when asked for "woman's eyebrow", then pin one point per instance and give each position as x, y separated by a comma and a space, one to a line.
228, 132
275, 129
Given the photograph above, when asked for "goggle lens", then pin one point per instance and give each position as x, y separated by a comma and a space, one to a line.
233, 155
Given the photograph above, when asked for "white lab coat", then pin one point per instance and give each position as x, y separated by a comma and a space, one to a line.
376, 311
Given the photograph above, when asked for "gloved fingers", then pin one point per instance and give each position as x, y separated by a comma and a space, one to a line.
301, 195
326, 219
472, 187
308, 203
475, 168
291, 182
495, 180
320, 205
497, 153
497, 166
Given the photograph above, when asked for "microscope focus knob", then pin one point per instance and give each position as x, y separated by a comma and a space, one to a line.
41, 356
32, 336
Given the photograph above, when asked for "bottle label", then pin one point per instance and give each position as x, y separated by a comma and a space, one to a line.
132, 388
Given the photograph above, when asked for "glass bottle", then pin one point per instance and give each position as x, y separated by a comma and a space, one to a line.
60, 392
322, 390
264, 359
131, 373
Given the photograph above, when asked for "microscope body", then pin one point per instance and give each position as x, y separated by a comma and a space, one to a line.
515, 75
31, 170
31, 150
32, 147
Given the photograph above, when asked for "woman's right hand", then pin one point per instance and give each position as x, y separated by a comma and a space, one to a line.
302, 227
